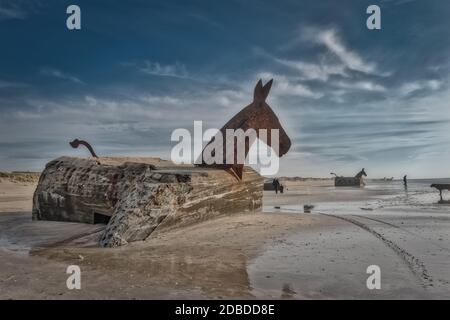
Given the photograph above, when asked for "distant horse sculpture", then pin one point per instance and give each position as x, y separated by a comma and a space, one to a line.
357, 180
75, 143
257, 115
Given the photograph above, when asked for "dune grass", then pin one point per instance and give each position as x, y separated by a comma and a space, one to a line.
20, 177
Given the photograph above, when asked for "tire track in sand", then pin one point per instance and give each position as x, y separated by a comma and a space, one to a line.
404, 230
416, 266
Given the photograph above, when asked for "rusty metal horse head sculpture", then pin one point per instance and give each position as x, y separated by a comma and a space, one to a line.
257, 115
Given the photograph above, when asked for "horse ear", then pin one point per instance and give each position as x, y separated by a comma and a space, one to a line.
258, 93
266, 89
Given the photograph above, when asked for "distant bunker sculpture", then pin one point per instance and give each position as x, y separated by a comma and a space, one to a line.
135, 196
356, 181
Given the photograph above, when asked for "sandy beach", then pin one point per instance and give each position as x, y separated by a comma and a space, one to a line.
278, 253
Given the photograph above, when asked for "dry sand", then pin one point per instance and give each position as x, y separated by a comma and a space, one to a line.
277, 254
16, 196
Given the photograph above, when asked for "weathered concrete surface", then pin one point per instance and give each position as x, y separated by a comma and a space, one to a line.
348, 182
138, 195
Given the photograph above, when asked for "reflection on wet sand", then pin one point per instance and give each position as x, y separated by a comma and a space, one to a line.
207, 260
405, 233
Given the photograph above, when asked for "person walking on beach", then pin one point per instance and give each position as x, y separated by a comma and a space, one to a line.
276, 184
405, 181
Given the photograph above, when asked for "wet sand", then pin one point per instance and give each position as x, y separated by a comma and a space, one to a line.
358, 228
207, 260
330, 261
280, 253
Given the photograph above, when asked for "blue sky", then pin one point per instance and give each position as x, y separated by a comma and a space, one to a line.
347, 96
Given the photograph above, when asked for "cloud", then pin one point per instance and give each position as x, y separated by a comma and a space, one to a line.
311, 71
60, 75
284, 85
205, 19
10, 84
361, 85
349, 58
397, 2
10, 10
411, 87
166, 100
176, 70
330, 39
308, 70
341, 66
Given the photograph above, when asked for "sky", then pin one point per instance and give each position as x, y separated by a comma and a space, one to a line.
347, 96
